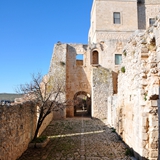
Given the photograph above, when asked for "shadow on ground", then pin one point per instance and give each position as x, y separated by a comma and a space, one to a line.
79, 138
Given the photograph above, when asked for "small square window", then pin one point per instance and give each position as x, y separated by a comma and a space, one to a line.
116, 18
151, 21
118, 59
79, 59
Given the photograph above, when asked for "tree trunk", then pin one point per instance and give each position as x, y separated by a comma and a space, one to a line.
39, 123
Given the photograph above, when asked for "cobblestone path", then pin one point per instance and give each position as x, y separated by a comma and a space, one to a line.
79, 139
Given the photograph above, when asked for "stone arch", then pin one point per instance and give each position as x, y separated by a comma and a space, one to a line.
82, 103
95, 57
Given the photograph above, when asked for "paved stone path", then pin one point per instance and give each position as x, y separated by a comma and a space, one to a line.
79, 139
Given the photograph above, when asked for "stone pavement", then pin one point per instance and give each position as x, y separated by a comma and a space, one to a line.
79, 139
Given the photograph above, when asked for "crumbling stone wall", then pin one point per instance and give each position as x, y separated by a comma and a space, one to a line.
138, 91
17, 128
57, 73
102, 87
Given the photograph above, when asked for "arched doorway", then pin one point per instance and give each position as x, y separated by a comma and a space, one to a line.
82, 104
95, 56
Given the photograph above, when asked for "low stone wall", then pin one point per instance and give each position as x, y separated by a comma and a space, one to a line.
17, 127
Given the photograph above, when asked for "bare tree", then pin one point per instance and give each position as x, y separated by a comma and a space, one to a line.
45, 92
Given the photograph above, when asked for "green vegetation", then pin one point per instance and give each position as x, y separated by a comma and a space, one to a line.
124, 52
39, 139
62, 63
123, 70
145, 96
9, 96
113, 130
129, 152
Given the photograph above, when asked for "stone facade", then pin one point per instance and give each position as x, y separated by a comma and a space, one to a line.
138, 91
18, 124
102, 87
119, 70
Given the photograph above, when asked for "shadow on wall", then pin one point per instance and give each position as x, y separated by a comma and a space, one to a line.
115, 82
141, 14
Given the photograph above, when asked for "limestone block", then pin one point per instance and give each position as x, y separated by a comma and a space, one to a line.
145, 136
143, 144
145, 153
153, 145
153, 122
153, 91
158, 54
154, 70
154, 103
153, 154
143, 75
144, 50
144, 123
144, 82
154, 135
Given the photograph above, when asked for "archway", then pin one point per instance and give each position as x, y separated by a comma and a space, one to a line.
95, 56
82, 104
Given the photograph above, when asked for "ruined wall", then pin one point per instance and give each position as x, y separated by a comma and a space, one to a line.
18, 124
78, 75
102, 87
138, 90
57, 73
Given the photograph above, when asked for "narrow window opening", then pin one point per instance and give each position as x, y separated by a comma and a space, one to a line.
79, 59
94, 57
118, 59
151, 21
116, 18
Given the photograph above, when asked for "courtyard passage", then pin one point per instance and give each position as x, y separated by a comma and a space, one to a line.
79, 139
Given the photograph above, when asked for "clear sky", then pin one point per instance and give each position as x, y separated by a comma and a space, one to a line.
28, 31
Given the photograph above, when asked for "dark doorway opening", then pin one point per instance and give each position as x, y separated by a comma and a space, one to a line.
82, 104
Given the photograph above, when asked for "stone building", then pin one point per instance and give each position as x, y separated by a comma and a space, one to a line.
118, 73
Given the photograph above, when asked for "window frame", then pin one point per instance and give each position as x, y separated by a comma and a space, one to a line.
119, 63
116, 18
151, 21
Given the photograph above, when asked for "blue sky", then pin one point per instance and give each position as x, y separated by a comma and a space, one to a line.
28, 31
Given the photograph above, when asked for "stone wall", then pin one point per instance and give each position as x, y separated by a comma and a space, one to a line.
18, 124
146, 10
138, 90
102, 87
57, 74
77, 74
102, 18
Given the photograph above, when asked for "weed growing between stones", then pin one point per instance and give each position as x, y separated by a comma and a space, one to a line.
145, 96
123, 70
62, 63
129, 152
39, 139
113, 130
124, 52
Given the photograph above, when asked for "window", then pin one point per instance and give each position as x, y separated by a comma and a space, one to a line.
151, 21
116, 18
118, 59
94, 57
79, 59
